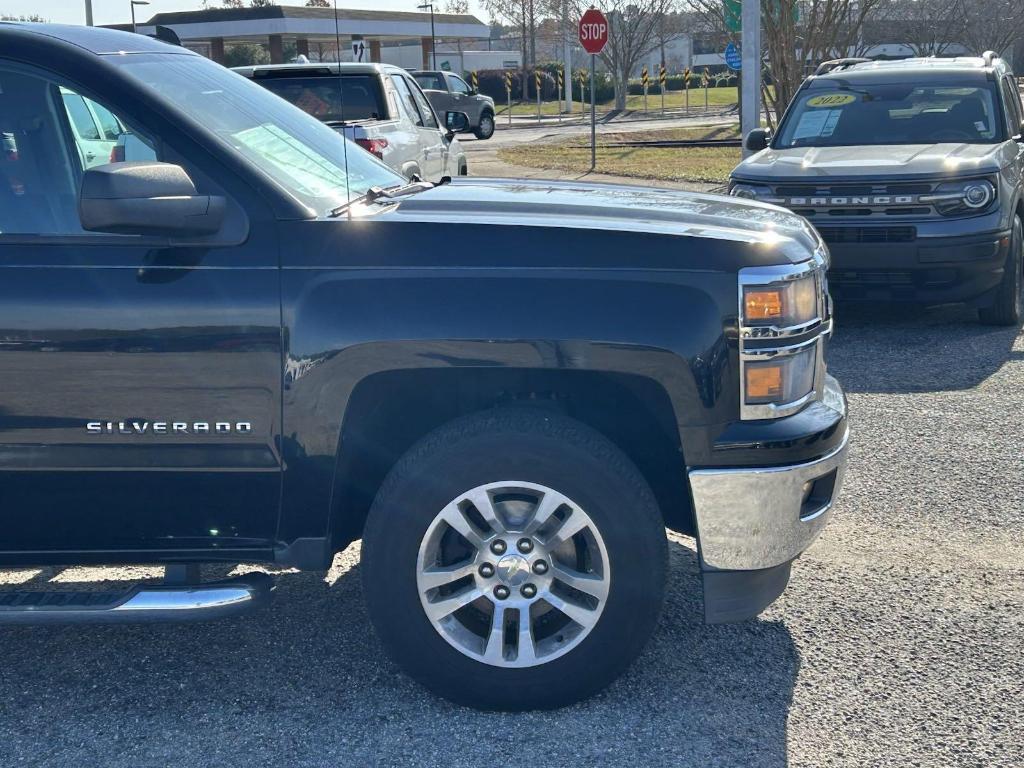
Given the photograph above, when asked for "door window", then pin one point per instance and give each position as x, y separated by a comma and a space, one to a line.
459, 85
429, 121
50, 135
81, 118
408, 100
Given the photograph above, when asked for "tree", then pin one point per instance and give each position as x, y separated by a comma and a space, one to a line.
262, 3
926, 27
317, 4
456, 6
635, 28
32, 17
245, 54
794, 43
520, 15
232, 3
991, 26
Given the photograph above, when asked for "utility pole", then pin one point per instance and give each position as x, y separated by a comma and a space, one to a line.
567, 54
750, 74
88, 13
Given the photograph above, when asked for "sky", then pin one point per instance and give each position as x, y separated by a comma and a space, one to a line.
118, 12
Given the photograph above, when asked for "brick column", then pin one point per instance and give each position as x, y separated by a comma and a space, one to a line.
375, 51
302, 46
217, 49
276, 50
425, 47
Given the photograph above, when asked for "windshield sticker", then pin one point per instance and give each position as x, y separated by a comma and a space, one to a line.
821, 123
831, 100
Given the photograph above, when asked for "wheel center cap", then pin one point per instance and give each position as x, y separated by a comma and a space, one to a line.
513, 570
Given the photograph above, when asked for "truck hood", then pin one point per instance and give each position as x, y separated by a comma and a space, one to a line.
910, 160
588, 206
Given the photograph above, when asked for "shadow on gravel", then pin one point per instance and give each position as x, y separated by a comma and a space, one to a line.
305, 684
898, 348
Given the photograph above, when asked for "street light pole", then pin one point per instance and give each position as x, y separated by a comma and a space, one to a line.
133, 4
88, 13
433, 39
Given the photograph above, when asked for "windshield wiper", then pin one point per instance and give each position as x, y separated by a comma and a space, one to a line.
374, 194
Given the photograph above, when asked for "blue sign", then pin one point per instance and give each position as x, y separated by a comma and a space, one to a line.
733, 60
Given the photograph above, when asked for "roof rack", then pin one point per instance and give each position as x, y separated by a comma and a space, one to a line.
833, 64
988, 57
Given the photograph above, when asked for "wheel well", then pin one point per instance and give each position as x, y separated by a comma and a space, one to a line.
389, 412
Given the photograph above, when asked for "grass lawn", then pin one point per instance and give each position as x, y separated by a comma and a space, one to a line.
700, 164
717, 98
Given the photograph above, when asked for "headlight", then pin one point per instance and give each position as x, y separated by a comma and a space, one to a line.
958, 197
783, 322
782, 304
748, 191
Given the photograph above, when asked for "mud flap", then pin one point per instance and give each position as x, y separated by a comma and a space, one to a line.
731, 596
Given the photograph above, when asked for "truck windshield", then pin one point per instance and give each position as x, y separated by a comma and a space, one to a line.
891, 113
300, 153
359, 98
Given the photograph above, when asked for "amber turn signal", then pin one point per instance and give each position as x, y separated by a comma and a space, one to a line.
762, 304
764, 382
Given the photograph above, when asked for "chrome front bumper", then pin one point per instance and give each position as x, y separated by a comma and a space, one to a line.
756, 518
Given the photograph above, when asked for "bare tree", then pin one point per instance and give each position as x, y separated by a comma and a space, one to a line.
994, 25
519, 14
926, 27
635, 28
317, 4
31, 17
794, 42
456, 6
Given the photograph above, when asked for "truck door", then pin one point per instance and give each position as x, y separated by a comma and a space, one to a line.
433, 150
140, 387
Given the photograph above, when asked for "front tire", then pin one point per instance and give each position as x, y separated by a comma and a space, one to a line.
1008, 305
514, 559
485, 128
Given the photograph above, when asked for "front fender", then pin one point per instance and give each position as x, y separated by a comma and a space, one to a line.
343, 326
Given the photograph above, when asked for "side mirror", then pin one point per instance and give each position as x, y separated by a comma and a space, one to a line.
146, 198
1020, 133
455, 122
757, 139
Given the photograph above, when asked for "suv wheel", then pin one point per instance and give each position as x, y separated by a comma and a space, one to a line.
1008, 305
514, 559
485, 129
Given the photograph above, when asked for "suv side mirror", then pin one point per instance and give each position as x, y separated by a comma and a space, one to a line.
455, 122
146, 198
757, 139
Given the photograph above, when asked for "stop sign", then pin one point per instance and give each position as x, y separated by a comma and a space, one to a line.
593, 31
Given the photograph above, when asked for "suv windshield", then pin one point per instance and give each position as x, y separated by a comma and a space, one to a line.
300, 153
359, 97
891, 113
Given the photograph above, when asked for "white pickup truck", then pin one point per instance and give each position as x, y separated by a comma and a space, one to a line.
379, 107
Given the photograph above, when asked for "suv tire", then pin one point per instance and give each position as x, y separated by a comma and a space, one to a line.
1008, 305
485, 128
603, 531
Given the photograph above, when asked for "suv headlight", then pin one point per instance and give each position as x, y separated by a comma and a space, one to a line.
748, 191
784, 319
952, 198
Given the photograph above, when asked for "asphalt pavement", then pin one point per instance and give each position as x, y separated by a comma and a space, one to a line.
900, 641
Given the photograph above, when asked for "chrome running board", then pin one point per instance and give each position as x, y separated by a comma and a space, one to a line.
140, 603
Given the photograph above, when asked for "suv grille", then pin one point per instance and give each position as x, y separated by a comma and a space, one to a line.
838, 235
850, 199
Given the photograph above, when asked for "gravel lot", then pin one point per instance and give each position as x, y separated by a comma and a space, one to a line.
899, 642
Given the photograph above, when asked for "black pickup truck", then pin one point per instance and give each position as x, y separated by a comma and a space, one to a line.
256, 346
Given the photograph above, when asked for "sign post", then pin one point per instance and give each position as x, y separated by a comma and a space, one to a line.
508, 95
559, 75
686, 87
643, 76
750, 107
706, 81
536, 87
593, 37
663, 81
